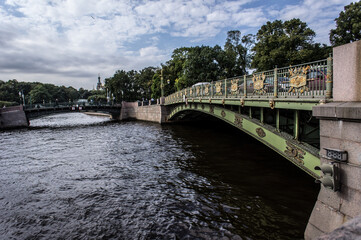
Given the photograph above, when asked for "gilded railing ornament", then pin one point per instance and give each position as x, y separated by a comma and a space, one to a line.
190, 91
260, 132
298, 79
210, 100
272, 103
200, 99
218, 88
258, 83
234, 86
322, 101
242, 102
206, 90
295, 153
197, 91
238, 120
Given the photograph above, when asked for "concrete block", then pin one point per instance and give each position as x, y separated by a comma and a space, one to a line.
351, 130
350, 202
326, 218
351, 177
312, 232
13, 117
347, 72
326, 110
338, 110
329, 128
349, 110
330, 198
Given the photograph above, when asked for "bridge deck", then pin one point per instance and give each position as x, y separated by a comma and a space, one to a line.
297, 87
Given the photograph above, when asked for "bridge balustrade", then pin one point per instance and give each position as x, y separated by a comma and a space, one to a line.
63, 104
309, 81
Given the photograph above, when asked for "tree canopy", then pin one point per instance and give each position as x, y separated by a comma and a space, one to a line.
285, 43
348, 25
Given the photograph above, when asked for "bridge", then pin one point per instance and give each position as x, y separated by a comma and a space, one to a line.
309, 113
20, 116
275, 107
37, 110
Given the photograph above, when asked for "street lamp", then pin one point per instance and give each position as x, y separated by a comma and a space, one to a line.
22, 97
161, 83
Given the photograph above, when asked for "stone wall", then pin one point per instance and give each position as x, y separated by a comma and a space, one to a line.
151, 113
340, 128
13, 117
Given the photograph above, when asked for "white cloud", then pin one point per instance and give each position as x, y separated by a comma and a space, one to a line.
75, 39
318, 14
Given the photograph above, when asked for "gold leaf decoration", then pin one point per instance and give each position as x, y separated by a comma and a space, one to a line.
211, 109
218, 88
298, 79
223, 113
238, 120
234, 86
295, 153
258, 83
260, 132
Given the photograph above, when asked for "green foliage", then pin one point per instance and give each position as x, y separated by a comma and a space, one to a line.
285, 43
143, 80
8, 104
40, 94
236, 53
348, 25
190, 65
156, 90
36, 92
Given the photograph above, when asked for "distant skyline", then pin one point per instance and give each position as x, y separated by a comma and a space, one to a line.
70, 42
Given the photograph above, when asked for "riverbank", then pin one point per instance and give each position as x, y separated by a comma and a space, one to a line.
99, 114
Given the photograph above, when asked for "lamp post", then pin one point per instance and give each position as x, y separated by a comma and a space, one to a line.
161, 83
22, 97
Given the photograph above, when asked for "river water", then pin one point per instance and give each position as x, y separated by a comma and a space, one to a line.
73, 176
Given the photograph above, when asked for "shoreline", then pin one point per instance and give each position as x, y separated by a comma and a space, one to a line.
99, 114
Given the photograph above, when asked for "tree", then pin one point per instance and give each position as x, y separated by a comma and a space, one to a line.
236, 51
143, 80
156, 90
348, 25
285, 43
40, 94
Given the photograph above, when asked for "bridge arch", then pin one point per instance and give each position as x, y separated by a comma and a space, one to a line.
284, 144
33, 113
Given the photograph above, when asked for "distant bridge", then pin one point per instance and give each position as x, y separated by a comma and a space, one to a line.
38, 110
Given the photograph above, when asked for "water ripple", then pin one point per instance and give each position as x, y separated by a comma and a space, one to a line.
74, 176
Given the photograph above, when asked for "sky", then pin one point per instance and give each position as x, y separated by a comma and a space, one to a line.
70, 42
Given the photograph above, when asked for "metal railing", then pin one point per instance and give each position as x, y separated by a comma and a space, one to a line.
309, 80
65, 104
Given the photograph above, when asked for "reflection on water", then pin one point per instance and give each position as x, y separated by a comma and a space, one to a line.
74, 176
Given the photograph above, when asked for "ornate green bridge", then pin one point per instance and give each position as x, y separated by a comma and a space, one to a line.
275, 107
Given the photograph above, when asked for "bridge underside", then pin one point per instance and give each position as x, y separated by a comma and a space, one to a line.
299, 153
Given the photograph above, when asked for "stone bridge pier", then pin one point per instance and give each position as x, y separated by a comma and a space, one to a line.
340, 128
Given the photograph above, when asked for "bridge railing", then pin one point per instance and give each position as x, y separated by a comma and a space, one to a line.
309, 80
64, 105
